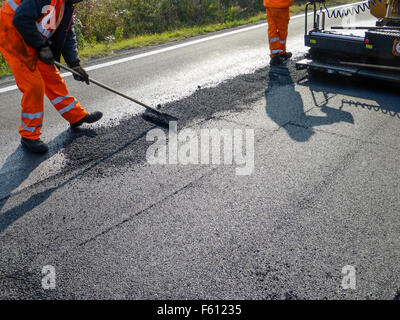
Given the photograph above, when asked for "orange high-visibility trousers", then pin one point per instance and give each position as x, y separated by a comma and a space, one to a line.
278, 24
35, 80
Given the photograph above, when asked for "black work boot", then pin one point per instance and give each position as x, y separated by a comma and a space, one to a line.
276, 61
89, 118
286, 56
35, 146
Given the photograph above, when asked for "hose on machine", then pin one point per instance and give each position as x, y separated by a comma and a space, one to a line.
359, 8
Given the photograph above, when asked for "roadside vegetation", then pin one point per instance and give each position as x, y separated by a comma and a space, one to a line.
105, 27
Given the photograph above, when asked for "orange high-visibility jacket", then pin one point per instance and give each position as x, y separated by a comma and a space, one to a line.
12, 41
278, 3
48, 22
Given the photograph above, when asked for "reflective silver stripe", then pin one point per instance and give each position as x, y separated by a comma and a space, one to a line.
59, 99
276, 51
30, 129
68, 108
42, 30
283, 42
12, 4
32, 116
274, 39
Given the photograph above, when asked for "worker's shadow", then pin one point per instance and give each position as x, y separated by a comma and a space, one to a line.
285, 106
19, 166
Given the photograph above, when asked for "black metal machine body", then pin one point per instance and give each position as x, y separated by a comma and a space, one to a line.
372, 52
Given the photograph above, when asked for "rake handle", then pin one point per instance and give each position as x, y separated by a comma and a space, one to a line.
102, 85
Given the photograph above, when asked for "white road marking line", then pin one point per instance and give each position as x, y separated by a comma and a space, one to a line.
171, 48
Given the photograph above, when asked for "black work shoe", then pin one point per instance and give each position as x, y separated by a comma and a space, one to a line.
89, 118
276, 61
286, 56
35, 146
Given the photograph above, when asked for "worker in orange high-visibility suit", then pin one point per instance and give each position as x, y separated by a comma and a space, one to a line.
33, 35
278, 17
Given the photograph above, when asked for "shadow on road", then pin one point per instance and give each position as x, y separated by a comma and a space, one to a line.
18, 167
285, 106
28, 163
391, 110
383, 94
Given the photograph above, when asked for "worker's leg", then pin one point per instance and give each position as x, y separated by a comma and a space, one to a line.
57, 92
32, 87
273, 34
283, 26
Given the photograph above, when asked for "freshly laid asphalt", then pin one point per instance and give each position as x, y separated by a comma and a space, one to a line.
324, 192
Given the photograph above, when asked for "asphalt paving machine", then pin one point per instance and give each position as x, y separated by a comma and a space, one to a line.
354, 51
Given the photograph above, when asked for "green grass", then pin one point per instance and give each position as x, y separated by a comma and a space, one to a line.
4, 69
299, 8
104, 49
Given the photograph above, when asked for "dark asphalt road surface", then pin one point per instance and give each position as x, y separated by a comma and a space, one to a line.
324, 192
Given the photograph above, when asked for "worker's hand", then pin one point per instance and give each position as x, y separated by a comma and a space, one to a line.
46, 55
84, 75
